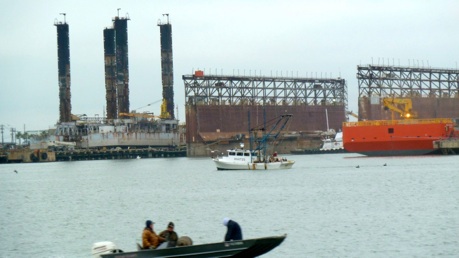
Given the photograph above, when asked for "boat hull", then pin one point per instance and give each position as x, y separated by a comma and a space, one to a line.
241, 248
397, 137
228, 165
317, 151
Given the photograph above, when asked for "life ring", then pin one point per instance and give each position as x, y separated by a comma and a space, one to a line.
44, 155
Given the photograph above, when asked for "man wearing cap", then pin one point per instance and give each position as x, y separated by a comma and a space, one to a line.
170, 235
150, 240
234, 231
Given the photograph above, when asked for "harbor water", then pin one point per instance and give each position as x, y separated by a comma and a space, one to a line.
329, 205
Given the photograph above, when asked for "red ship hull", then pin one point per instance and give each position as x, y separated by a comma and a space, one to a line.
396, 137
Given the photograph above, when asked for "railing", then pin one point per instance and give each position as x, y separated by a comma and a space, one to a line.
398, 122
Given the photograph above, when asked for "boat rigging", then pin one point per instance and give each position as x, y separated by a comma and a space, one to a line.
272, 134
257, 158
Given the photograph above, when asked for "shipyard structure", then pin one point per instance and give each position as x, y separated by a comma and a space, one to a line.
434, 93
218, 108
405, 111
120, 127
63, 64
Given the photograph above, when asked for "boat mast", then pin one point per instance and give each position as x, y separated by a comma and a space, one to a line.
263, 135
273, 133
250, 138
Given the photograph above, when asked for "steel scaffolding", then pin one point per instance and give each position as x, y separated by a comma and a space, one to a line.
246, 90
395, 81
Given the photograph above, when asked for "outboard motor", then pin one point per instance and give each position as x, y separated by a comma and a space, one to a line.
105, 247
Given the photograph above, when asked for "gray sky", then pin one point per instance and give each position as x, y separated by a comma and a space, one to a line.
305, 38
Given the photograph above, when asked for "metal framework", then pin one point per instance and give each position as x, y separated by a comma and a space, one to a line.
407, 82
245, 90
110, 73
167, 68
63, 60
122, 65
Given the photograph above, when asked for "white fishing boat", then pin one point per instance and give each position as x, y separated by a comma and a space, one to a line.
242, 159
333, 144
257, 158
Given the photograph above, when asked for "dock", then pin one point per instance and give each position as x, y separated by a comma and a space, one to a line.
46, 155
448, 146
137, 153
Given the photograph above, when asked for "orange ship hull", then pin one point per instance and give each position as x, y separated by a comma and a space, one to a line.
396, 137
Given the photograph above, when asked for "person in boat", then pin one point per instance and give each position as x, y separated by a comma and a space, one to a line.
170, 235
274, 157
150, 240
234, 231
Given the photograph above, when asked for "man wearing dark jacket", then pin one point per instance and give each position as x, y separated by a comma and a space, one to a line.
170, 235
234, 231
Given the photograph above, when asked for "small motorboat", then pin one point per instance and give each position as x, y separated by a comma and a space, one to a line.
240, 248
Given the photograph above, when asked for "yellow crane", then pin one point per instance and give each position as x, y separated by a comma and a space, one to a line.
141, 115
352, 114
164, 113
403, 106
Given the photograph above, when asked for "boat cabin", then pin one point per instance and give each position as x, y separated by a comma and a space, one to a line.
239, 152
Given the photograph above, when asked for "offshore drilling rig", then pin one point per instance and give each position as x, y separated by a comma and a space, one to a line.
121, 127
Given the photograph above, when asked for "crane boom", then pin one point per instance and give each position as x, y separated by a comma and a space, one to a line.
141, 115
352, 114
164, 113
403, 106
149, 104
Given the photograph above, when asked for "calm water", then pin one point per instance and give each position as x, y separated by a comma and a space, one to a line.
327, 206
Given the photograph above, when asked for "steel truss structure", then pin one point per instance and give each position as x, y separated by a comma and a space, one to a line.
246, 90
395, 81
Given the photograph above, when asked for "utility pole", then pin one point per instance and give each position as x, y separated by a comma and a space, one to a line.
13, 130
1, 128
